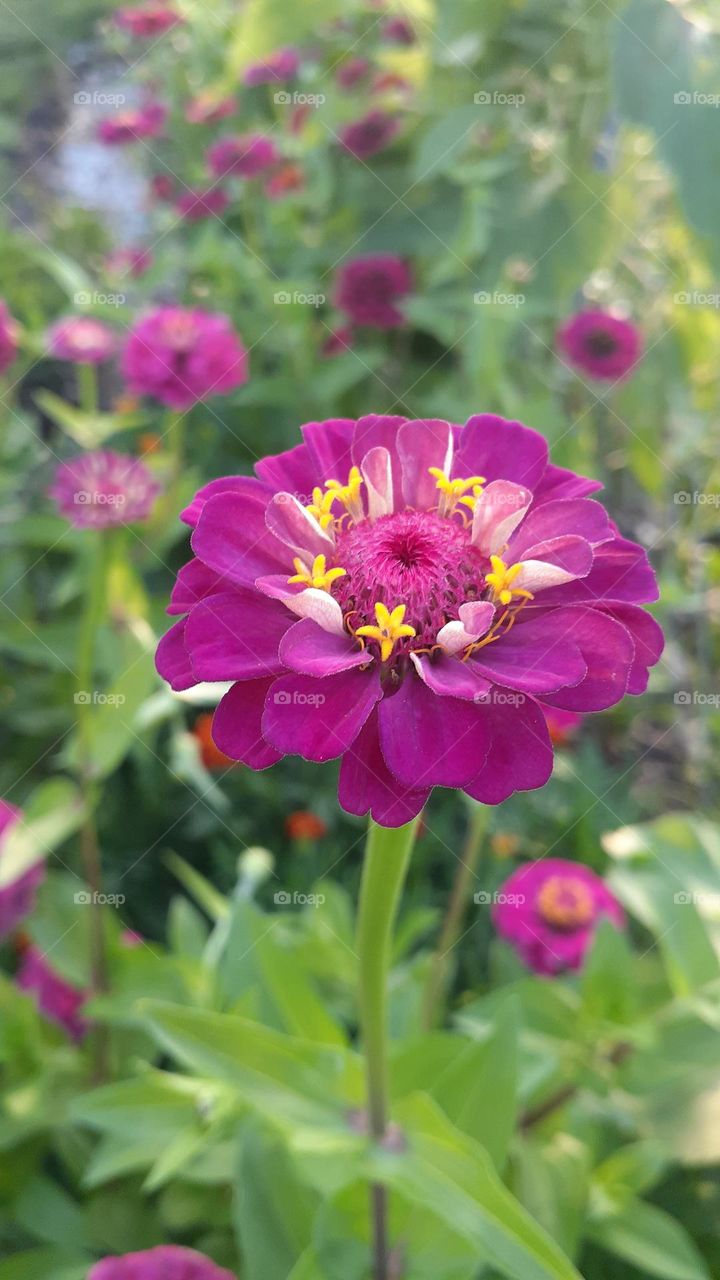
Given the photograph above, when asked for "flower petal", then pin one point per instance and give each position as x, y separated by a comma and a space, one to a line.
172, 660
294, 526
376, 468
379, 431
319, 719
329, 446
620, 571
366, 784
233, 539
423, 444
289, 472
306, 602
558, 482
493, 447
193, 583
431, 741
236, 727
647, 637
553, 563
312, 651
537, 656
582, 517
498, 511
247, 486
520, 756
235, 636
609, 653
475, 619
448, 677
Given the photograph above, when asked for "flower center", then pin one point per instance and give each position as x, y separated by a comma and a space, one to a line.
565, 902
601, 343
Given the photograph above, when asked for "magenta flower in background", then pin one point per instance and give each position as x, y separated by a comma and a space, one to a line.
206, 108
352, 72
164, 1262
134, 124
8, 337
369, 288
196, 205
276, 68
562, 725
244, 156
338, 341
17, 899
128, 262
407, 597
147, 20
180, 356
162, 187
549, 911
102, 489
82, 339
56, 999
399, 31
364, 138
601, 344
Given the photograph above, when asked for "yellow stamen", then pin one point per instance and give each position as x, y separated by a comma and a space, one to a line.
454, 491
318, 577
348, 494
390, 628
501, 580
320, 507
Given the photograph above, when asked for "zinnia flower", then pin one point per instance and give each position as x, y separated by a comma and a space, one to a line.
162, 187
601, 344
305, 825
193, 206
133, 125
128, 262
82, 339
406, 596
399, 31
17, 899
285, 180
352, 72
8, 337
164, 1262
375, 132
276, 68
549, 911
368, 289
148, 20
207, 109
180, 356
102, 489
56, 999
212, 757
244, 156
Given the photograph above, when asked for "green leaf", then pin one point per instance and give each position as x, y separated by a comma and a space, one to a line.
45, 1264
652, 1241
204, 893
607, 983
88, 430
56, 809
111, 731
478, 1091
273, 1209
49, 1214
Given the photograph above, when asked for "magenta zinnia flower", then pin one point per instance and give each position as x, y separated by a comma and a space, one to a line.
164, 1262
147, 20
368, 289
180, 356
244, 156
352, 72
102, 489
17, 899
133, 125
406, 596
549, 911
364, 138
56, 999
601, 344
8, 337
276, 68
399, 31
210, 202
82, 339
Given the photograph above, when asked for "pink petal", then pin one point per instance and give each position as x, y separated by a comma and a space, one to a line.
193, 583
245, 485
422, 444
536, 656
319, 719
172, 660
289, 472
498, 511
235, 636
306, 602
520, 756
311, 651
366, 785
448, 677
232, 538
236, 727
294, 526
378, 431
430, 741
329, 446
376, 468
608, 650
553, 563
582, 517
500, 450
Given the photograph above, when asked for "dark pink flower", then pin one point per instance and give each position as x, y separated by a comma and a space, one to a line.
549, 911
338, 341
133, 124
601, 344
102, 489
244, 156
55, 998
162, 187
352, 72
82, 339
180, 356
364, 138
17, 899
276, 68
206, 108
164, 1262
211, 202
8, 338
562, 725
399, 31
369, 288
128, 262
131, 939
147, 20
408, 597
284, 181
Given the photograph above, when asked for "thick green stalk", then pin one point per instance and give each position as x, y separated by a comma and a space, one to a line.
88, 388
387, 857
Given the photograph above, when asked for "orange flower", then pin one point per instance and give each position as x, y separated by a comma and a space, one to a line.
212, 757
126, 403
148, 442
304, 825
504, 844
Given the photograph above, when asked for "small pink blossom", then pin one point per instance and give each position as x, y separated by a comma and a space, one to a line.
102, 489
242, 156
8, 337
147, 20
365, 138
128, 262
82, 339
337, 342
399, 31
133, 125
17, 899
276, 68
601, 344
56, 999
369, 288
352, 72
196, 205
180, 356
164, 1262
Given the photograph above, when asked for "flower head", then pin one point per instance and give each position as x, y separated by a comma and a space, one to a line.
180, 356
243, 156
276, 68
164, 1262
17, 899
352, 72
305, 825
196, 205
601, 344
398, 31
285, 180
162, 187
407, 664
147, 20
364, 138
369, 288
8, 337
102, 489
133, 124
82, 339
549, 911
206, 108
128, 262
56, 999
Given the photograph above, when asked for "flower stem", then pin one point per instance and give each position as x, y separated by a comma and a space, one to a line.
88, 388
452, 924
387, 857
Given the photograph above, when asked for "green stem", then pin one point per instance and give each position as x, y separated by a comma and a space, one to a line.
387, 857
88, 389
452, 924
